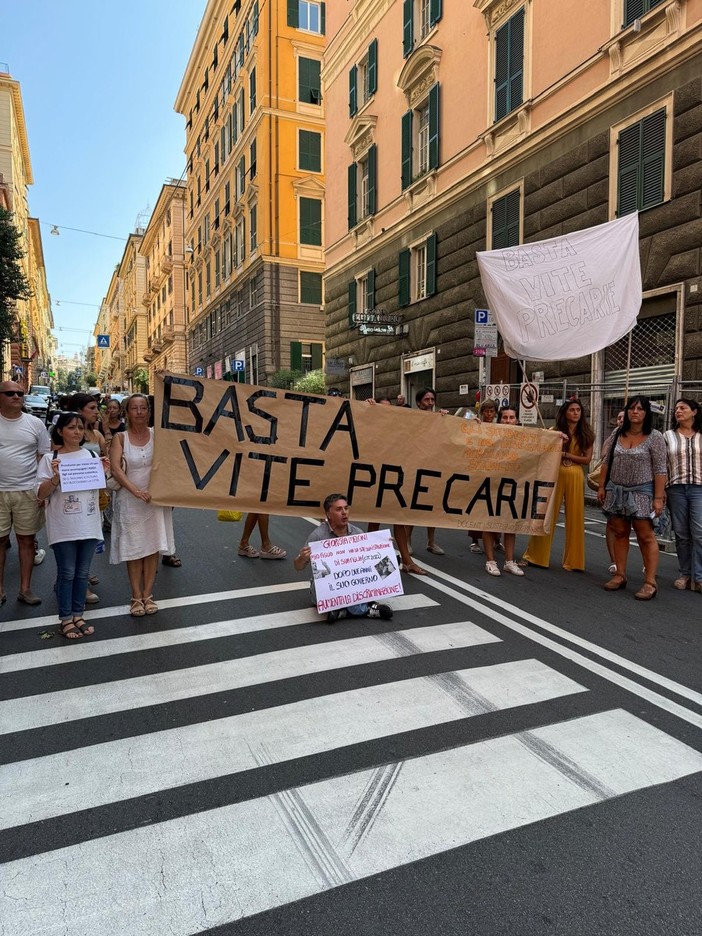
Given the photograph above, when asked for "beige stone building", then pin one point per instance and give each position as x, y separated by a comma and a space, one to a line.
254, 109
123, 316
476, 125
29, 355
163, 246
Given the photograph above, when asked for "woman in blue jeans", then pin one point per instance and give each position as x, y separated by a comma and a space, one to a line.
73, 524
684, 454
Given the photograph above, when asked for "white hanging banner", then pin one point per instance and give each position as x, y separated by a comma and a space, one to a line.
568, 296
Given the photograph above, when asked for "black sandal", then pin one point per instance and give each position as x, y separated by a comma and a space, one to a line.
69, 630
86, 629
172, 561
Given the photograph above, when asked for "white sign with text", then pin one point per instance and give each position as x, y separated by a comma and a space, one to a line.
351, 570
86, 474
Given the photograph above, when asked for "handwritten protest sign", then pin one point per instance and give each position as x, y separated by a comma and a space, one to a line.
85, 474
233, 446
350, 570
568, 296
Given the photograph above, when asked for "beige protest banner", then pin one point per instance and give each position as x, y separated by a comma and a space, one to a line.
232, 446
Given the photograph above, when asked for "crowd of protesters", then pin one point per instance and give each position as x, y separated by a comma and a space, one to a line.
643, 473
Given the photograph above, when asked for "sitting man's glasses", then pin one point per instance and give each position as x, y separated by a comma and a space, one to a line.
19, 393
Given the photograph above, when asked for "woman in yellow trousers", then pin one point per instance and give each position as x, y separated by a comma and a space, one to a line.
578, 439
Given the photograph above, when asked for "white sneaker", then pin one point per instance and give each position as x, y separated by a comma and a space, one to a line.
613, 568
512, 567
39, 556
491, 568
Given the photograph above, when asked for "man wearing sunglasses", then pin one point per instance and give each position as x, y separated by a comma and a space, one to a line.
23, 440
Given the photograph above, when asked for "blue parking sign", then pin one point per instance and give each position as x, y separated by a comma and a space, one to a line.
238, 365
199, 372
482, 317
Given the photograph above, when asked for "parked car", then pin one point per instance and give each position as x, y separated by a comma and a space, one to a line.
37, 404
40, 389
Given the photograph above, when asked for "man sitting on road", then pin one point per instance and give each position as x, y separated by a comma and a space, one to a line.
23, 440
336, 510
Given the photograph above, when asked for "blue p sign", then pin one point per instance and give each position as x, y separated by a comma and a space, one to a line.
199, 371
238, 365
482, 316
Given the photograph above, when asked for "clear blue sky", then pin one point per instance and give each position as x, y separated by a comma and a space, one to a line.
99, 79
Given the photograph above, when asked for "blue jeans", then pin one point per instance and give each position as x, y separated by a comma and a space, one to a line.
685, 505
72, 572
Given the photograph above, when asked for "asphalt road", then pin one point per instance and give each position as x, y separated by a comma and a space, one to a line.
506, 756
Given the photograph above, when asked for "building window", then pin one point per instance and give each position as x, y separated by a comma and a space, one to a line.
253, 229
505, 216
240, 108
252, 159
641, 169
635, 9
509, 65
240, 177
417, 274
311, 221
208, 279
363, 79
240, 245
308, 15
418, 19
310, 288
306, 356
362, 187
310, 151
252, 91
253, 292
361, 294
420, 138
309, 81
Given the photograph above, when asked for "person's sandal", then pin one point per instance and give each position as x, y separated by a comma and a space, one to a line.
682, 583
69, 630
273, 552
173, 561
87, 630
136, 607
647, 591
248, 552
150, 606
616, 583
412, 569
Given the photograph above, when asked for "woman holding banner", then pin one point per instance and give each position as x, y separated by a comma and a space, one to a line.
578, 439
140, 530
632, 492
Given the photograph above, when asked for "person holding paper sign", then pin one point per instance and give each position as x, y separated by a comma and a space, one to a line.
578, 439
73, 524
336, 511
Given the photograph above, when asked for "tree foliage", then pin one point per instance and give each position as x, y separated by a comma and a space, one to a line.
13, 282
140, 377
284, 379
313, 382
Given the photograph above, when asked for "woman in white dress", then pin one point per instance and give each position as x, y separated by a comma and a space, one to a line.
140, 530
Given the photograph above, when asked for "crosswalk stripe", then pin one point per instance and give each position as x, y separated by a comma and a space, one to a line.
197, 872
77, 651
118, 770
96, 614
138, 692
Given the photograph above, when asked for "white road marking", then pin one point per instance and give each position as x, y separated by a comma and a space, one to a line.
97, 614
196, 872
77, 651
53, 708
622, 681
118, 770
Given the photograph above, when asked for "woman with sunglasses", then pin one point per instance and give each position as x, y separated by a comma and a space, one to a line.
632, 492
72, 524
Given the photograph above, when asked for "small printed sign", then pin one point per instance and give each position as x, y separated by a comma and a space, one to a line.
86, 474
351, 570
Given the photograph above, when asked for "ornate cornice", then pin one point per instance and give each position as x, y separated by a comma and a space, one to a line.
420, 72
361, 134
495, 10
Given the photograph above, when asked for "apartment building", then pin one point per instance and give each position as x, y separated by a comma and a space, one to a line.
163, 247
29, 354
254, 108
485, 124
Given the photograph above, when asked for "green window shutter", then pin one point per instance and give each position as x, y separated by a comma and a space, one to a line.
431, 264
293, 13
505, 221
352, 215
353, 90
373, 67
323, 18
407, 27
434, 12
370, 290
406, 149
296, 355
372, 176
310, 288
311, 222
242, 174
316, 356
404, 279
352, 304
434, 126
509, 65
653, 159
309, 81
310, 150
635, 9
628, 169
